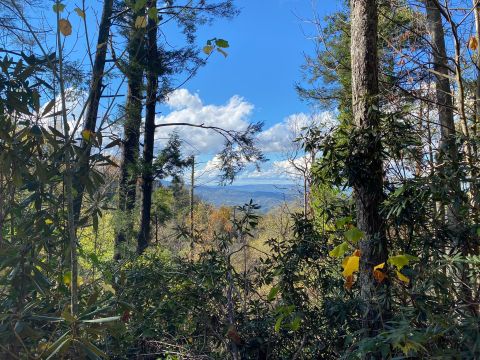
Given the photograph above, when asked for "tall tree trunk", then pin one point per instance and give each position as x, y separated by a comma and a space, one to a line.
448, 154
365, 163
149, 136
82, 166
131, 129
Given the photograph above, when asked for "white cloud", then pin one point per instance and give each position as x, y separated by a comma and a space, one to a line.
188, 108
280, 136
182, 99
277, 171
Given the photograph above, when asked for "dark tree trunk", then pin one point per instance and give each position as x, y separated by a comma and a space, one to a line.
365, 163
149, 137
448, 154
83, 164
131, 128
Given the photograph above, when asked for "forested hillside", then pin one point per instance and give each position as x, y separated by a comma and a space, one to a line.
153, 205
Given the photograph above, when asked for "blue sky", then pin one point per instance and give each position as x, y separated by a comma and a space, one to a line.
268, 41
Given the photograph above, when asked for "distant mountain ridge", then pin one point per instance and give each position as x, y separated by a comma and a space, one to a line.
266, 195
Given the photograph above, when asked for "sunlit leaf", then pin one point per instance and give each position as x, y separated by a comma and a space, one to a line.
80, 12
402, 277
102, 320
473, 43
67, 278
273, 293
65, 27
350, 265
208, 49
141, 22
339, 250
399, 261
87, 135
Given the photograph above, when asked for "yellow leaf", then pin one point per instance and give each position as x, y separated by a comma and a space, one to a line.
67, 278
208, 49
65, 27
49, 221
87, 134
402, 277
473, 43
80, 12
141, 22
108, 287
350, 265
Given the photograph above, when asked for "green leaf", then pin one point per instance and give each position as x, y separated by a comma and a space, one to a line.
153, 14
221, 43
273, 293
399, 261
295, 324
343, 221
48, 107
58, 7
139, 5
354, 235
61, 343
339, 250
93, 351
278, 324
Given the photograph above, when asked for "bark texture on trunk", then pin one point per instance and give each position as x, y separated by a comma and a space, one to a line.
448, 153
95, 93
131, 128
149, 136
365, 163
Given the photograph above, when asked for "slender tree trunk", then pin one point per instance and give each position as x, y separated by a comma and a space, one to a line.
365, 163
71, 227
149, 136
131, 128
192, 203
476, 5
448, 154
82, 167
